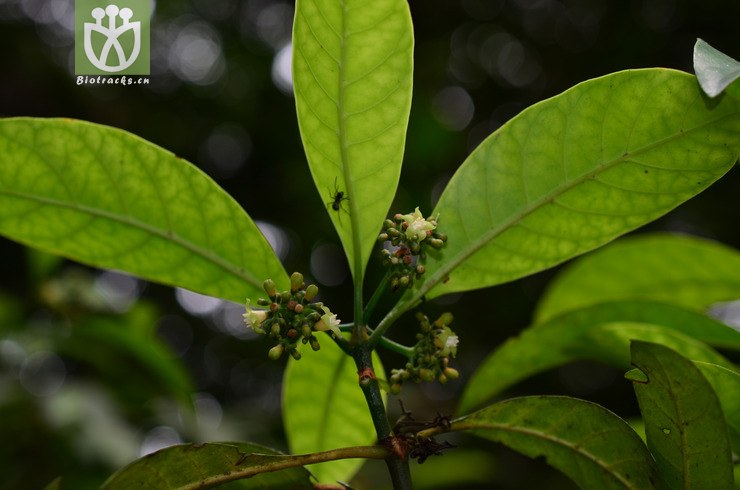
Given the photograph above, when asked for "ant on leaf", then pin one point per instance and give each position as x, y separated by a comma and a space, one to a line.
337, 198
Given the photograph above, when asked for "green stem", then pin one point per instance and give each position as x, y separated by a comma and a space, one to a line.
284, 462
396, 347
397, 467
379, 292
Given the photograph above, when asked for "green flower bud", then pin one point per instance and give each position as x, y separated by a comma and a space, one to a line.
270, 287
383, 237
275, 330
395, 389
296, 355
306, 330
426, 375
437, 243
451, 373
311, 291
296, 281
314, 343
442, 378
388, 224
276, 352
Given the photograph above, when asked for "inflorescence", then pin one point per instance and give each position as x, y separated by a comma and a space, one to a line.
408, 234
436, 344
290, 317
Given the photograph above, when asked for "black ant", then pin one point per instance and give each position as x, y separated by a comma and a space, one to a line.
337, 198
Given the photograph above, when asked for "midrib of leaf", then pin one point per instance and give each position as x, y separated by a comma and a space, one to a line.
134, 223
347, 170
487, 237
679, 423
542, 435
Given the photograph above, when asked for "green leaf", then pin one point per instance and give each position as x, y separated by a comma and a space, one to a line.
571, 173
714, 69
599, 333
352, 74
191, 466
686, 430
588, 443
726, 384
324, 408
107, 198
127, 351
682, 270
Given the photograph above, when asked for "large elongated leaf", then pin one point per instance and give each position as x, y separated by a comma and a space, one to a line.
110, 199
714, 69
686, 430
687, 271
324, 408
588, 443
191, 466
352, 73
599, 333
573, 172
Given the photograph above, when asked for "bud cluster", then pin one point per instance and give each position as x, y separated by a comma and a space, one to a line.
436, 344
408, 234
289, 317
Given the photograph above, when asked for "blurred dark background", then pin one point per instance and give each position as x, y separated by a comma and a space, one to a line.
73, 402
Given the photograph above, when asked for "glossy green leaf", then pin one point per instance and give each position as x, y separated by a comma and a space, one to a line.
571, 173
714, 69
352, 74
193, 466
107, 198
324, 408
686, 271
726, 384
599, 333
588, 443
686, 430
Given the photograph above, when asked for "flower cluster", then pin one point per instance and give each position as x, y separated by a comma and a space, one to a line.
436, 344
290, 317
408, 235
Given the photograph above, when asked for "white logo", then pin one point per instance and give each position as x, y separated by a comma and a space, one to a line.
112, 33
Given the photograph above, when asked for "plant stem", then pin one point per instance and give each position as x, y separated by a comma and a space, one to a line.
398, 466
396, 347
284, 462
379, 292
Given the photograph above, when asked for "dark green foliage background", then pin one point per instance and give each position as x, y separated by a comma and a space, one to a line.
275, 185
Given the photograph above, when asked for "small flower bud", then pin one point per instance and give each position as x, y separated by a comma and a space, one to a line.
264, 302
451, 373
314, 343
296, 355
270, 287
291, 305
437, 243
296, 282
395, 388
426, 374
306, 330
383, 237
276, 352
404, 281
311, 291
442, 378
275, 330
284, 297
298, 308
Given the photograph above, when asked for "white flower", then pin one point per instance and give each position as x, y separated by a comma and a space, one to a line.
446, 341
254, 318
328, 321
417, 226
